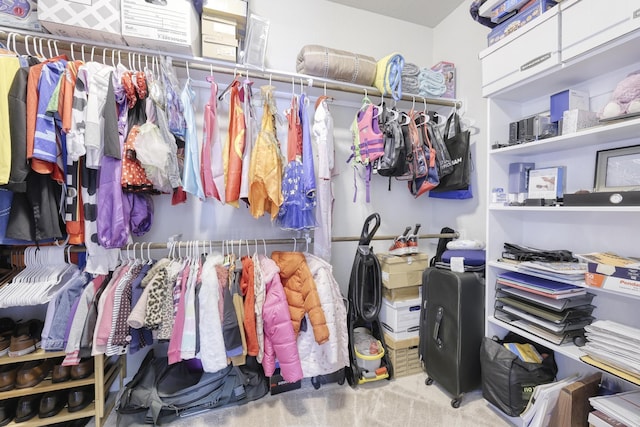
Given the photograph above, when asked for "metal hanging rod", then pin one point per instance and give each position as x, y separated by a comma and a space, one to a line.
235, 243
212, 65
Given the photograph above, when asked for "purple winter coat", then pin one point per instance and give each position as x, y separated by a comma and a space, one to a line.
279, 338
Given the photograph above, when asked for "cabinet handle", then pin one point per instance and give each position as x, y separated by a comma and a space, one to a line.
636, 13
535, 61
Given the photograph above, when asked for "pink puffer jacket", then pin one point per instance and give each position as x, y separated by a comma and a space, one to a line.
279, 337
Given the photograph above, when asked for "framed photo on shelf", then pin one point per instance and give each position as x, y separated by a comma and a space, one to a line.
546, 183
618, 169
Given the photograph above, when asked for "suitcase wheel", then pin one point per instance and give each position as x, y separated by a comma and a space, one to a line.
428, 381
455, 403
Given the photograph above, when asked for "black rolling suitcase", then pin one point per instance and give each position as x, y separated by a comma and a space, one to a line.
451, 329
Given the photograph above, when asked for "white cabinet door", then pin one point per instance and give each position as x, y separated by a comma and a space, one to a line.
587, 24
528, 51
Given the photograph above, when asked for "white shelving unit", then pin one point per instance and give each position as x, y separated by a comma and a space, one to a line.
578, 229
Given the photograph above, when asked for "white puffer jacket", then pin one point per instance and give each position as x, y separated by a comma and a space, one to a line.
334, 354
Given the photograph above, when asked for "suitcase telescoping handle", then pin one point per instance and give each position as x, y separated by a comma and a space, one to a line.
436, 327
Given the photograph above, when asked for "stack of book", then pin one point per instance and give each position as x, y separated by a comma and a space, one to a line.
554, 311
615, 348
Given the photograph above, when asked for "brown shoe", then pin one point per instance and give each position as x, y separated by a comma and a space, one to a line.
7, 326
33, 372
8, 376
60, 374
82, 370
25, 338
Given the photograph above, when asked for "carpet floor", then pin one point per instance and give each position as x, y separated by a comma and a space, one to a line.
404, 401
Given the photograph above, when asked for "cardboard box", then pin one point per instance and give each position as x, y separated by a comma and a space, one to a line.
25, 16
569, 99
404, 355
522, 18
97, 20
218, 51
232, 10
398, 294
400, 316
173, 27
612, 283
402, 271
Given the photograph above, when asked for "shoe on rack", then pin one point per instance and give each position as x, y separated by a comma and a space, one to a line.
33, 372
412, 241
7, 326
399, 246
82, 370
7, 410
26, 338
80, 398
8, 376
60, 374
27, 407
52, 403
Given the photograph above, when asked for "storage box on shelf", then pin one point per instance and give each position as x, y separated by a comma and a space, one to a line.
514, 92
106, 371
169, 27
98, 20
24, 16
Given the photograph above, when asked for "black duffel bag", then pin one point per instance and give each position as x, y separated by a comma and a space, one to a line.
507, 381
159, 392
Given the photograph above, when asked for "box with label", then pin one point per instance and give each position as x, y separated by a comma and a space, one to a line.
218, 51
522, 18
171, 27
612, 283
569, 99
402, 271
23, 14
97, 20
400, 316
220, 28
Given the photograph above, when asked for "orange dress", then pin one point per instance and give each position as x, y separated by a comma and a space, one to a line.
234, 147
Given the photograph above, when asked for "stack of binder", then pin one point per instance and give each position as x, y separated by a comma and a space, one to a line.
554, 311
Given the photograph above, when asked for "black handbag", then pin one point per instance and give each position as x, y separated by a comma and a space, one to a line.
458, 146
507, 381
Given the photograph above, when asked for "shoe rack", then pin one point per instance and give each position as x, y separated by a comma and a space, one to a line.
106, 371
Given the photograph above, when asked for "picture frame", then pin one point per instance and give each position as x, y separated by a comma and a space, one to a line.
546, 183
618, 169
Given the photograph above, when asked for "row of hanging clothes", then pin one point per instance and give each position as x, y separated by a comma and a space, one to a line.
285, 309
79, 133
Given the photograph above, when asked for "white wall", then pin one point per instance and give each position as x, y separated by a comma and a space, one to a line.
333, 25
458, 39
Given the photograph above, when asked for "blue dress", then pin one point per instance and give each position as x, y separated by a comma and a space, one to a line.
298, 185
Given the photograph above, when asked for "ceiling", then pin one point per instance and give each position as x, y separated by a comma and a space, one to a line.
423, 12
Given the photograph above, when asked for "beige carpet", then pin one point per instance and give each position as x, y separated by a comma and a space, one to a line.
404, 401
